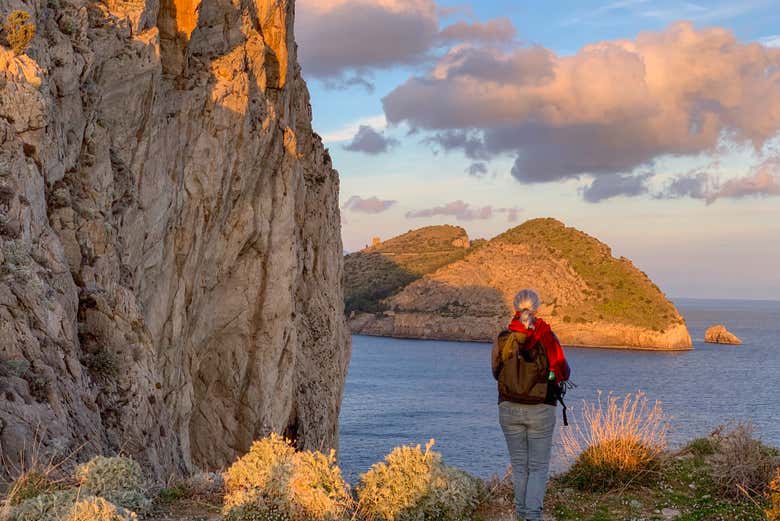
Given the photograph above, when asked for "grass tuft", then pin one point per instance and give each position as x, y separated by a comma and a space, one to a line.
618, 444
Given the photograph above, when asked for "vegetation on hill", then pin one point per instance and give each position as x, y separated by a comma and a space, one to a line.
618, 291
380, 271
615, 291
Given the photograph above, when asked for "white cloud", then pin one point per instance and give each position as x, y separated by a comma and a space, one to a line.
348, 131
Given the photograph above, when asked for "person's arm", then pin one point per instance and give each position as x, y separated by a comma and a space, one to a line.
556, 357
495, 359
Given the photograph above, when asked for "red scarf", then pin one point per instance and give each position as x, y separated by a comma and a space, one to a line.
541, 332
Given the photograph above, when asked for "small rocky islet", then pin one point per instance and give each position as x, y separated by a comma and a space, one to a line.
718, 334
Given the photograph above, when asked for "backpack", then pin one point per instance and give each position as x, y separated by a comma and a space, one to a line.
523, 373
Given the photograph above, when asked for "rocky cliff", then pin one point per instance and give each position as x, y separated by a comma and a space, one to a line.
589, 297
170, 247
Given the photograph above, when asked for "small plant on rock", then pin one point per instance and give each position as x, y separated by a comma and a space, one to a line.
19, 31
413, 484
619, 443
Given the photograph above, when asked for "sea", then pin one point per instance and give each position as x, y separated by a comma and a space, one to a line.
401, 392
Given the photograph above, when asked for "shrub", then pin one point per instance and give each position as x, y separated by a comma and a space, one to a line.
29, 485
98, 509
52, 506
413, 484
702, 446
117, 479
19, 31
619, 443
273, 481
773, 514
742, 465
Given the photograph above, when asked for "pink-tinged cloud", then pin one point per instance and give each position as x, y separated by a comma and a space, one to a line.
763, 181
492, 31
463, 211
368, 205
341, 41
612, 107
337, 37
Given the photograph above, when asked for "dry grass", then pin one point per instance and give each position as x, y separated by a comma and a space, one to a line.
619, 442
742, 465
19, 31
36, 474
773, 513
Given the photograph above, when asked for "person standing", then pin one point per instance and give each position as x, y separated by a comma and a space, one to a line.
530, 367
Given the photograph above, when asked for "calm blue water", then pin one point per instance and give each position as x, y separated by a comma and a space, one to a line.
407, 391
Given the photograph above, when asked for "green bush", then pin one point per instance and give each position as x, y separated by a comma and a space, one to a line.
117, 479
273, 481
412, 484
53, 506
19, 31
702, 446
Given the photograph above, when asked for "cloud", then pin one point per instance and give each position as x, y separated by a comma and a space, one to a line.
607, 187
464, 212
339, 37
368, 205
763, 181
369, 141
512, 214
342, 41
348, 131
496, 30
458, 209
477, 169
613, 107
771, 41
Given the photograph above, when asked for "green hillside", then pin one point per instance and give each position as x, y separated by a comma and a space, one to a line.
614, 290
618, 291
381, 271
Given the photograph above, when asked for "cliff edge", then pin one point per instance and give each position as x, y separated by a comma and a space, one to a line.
169, 236
589, 297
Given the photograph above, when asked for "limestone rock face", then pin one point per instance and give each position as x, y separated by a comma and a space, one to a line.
169, 235
720, 335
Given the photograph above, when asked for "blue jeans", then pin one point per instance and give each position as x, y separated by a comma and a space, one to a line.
528, 430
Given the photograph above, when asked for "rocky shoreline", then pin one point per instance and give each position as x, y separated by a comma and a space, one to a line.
484, 329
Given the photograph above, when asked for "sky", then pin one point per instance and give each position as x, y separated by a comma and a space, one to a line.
653, 125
